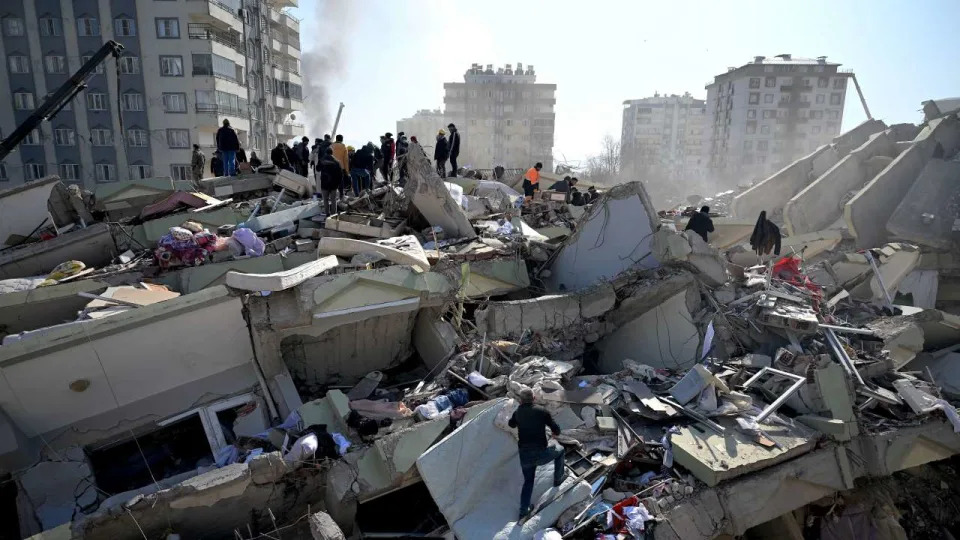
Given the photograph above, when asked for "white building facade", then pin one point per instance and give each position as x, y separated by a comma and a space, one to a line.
662, 137
765, 114
186, 66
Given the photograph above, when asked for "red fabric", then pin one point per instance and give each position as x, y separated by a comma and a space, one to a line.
788, 269
615, 517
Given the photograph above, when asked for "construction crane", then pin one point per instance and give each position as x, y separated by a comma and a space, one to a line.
59, 99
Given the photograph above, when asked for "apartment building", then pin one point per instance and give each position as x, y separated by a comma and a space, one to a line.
424, 124
504, 117
662, 137
186, 66
766, 113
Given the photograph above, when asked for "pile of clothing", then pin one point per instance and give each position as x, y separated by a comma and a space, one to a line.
182, 247
442, 403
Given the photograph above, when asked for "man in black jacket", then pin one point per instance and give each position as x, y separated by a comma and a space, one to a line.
440, 154
403, 146
701, 223
531, 423
364, 160
228, 143
387, 149
454, 146
331, 175
279, 157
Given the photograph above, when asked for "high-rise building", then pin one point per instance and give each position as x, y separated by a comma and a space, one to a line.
765, 114
662, 137
424, 125
186, 66
504, 117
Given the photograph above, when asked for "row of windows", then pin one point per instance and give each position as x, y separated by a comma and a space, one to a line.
822, 82
64, 136
167, 28
836, 98
103, 172
56, 63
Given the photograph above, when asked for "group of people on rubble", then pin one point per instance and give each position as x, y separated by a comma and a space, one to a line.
229, 158
447, 147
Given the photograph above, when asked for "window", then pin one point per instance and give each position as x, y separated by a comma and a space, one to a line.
101, 137
86, 58
19, 64
764, 130
168, 28
755, 82
56, 63
821, 98
836, 99
768, 98
180, 172
754, 98
132, 101
32, 138
50, 26
96, 101
839, 84
178, 138
815, 130
751, 129
35, 171
88, 26
763, 146
822, 82
175, 102
816, 115
125, 27
23, 101
106, 172
129, 65
141, 171
137, 137
752, 113
770, 82
13, 26
833, 114
64, 137
171, 66
69, 171
748, 145
769, 114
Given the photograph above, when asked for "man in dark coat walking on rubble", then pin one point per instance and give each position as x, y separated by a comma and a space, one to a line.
701, 223
440, 154
453, 145
531, 423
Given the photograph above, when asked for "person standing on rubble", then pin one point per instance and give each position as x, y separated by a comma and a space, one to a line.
364, 162
315, 155
531, 180
331, 180
228, 143
387, 149
216, 164
701, 223
304, 153
342, 155
440, 154
197, 161
279, 157
403, 146
453, 146
531, 423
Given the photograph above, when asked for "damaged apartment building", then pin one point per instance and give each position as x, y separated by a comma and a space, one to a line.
167, 349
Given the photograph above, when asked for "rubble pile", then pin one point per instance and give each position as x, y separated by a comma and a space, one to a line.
239, 363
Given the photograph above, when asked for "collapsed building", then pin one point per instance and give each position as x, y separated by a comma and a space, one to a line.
163, 347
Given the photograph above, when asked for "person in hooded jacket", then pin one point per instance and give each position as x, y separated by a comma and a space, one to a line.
388, 150
454, 146
440, 154
403, 146
701, 223
279, 157
331, 178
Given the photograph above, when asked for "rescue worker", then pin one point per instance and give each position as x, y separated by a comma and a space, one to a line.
531, 180
531, 422
701, 223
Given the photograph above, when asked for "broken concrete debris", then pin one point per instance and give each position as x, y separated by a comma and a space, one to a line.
236, 363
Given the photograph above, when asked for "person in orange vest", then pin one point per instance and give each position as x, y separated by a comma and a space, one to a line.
531, 180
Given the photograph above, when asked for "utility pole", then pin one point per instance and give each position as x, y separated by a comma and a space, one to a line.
337, 121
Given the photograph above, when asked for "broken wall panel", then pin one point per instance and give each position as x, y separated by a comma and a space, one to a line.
94, 246
432, 198
925, 215
865, 212
24, 209
614, 236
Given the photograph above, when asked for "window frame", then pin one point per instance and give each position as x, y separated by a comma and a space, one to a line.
157, 21
131, 168
71, 135
134, 62
172, 131
62, 62
94, 27
108, 167
185, 167
54, 29
28, 169
104, 134
163, 102
132, 27
134, 134
164, 57
22, 62
125, 106
6, 26
32, 100
64, 176
97, 98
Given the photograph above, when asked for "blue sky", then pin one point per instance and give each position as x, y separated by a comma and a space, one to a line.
396, 55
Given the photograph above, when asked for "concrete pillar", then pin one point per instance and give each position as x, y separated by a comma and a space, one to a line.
322, 527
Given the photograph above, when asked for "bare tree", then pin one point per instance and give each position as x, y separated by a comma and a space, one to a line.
605, 167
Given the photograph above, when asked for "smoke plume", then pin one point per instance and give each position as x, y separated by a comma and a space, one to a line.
324, 63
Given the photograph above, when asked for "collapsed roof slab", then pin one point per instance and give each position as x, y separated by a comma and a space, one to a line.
774, 192
399, 250
549, 312
94, 246
284, 279
431, 197
866, 211
924, 216
616, 234
817, 206
24, 209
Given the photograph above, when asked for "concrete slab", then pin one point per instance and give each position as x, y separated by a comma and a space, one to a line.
331, 410
192, 279
273, 219
496, 277
924, 216
714, 458
24, 209
901, 261
549, 312
279, 281
434, 338
432, 198
94, 246
615, 235
882, 195
665, 333
412, 253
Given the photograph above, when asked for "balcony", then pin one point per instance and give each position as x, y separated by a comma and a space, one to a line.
290, 130
286, 3
220, 110
220, 14
284, 21
211, 33
285, 48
